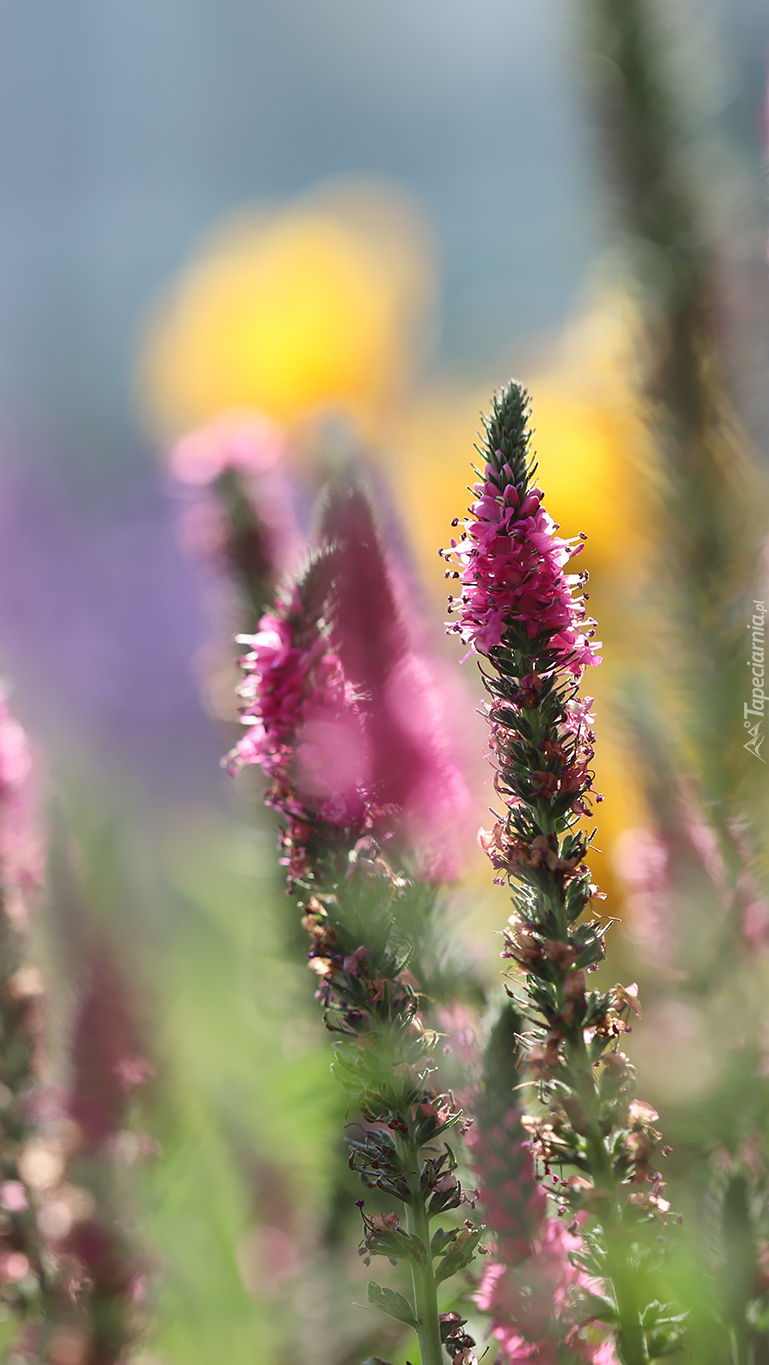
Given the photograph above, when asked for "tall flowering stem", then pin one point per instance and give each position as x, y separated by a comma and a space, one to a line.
24, 1274
96, 1303
711, 505
521, 612
384, 1059
710, 520
315, 702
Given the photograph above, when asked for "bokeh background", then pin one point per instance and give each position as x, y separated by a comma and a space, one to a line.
337, 212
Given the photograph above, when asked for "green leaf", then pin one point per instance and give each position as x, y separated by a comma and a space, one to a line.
440, 1240
598, 1307
390, 1301
458, 1256
662, 1344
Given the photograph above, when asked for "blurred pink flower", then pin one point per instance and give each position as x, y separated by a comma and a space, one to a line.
525, 1299
641, 859
21, 848
251, 448
342, 714
245, 441
412, 767
106, 1055
652, 861
528, 1285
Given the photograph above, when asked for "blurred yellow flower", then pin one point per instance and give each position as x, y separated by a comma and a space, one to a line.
588, 441
322, 304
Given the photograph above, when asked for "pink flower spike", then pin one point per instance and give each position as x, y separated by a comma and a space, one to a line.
21, 849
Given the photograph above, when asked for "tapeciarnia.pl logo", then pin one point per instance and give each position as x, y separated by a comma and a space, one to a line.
754, 710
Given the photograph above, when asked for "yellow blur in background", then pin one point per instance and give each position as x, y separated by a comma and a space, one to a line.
322, 304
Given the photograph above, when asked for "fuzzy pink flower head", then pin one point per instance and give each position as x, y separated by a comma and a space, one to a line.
341, 713
107, 1057
418, 768
524, 1300
642, 860
21, 850
245, 441
650, 859
251, 447
412, 770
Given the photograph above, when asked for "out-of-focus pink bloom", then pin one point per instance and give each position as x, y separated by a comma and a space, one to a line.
433, 794
642, 860
523, 1301
245, 441
99, 1280
106, 1056
652, 860
528, 1283
250, 447
13, 1196
342, 714
21, 851
412, 768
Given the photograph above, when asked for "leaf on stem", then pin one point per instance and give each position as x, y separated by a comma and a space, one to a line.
390, 1301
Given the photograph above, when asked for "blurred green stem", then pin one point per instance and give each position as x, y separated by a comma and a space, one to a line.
423, 1280
631, 1336
709, 500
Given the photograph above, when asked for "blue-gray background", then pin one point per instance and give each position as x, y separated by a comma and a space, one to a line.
127, 127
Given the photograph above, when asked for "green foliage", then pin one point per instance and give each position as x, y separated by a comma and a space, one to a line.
390, 1301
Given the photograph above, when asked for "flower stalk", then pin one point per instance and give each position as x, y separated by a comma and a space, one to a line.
517, 608
25, 1275
709, 508
316, 707
384, 1060
530, 1285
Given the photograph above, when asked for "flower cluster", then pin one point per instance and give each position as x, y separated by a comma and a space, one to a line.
511, 563
516, 598
519, 610
340, 711
303, 727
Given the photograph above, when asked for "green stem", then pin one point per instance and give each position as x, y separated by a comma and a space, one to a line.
631, 1336
422, 1278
